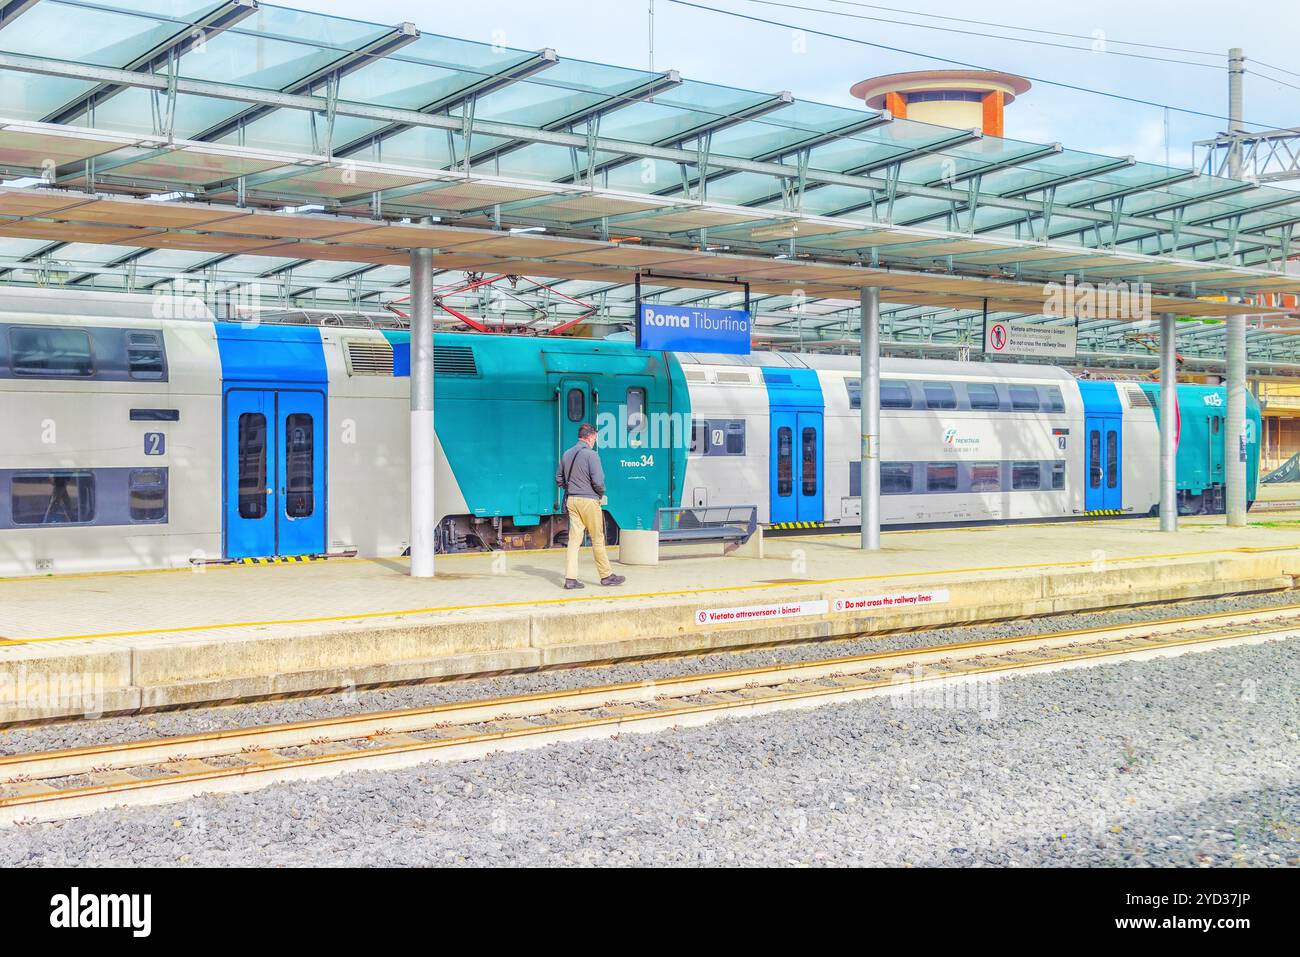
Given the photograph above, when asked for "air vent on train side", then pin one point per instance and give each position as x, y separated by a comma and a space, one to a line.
454, 360
369, 357
696, 375
1138, 398
737, 377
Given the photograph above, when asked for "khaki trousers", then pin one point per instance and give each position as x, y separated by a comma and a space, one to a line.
585, 515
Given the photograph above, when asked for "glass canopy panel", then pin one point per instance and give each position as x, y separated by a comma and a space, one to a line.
569, 87
13, 249
841, 200
90, 254
1040, 172
535, 161
133, 110
104, 37
178, 260
416, 146
277, 46
26, 96
877, 147
784, 129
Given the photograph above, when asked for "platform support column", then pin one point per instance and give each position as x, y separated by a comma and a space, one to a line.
423, 440
1234, 437
1168, 425
870, 404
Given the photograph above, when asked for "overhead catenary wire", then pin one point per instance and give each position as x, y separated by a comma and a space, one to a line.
970, 66
1108, 40
990, 36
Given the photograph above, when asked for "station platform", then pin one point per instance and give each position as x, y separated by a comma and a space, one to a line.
104, 643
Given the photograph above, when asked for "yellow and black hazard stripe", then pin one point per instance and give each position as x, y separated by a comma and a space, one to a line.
1103, 511
783, 526
281, 560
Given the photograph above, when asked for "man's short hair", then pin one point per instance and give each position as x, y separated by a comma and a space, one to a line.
585, 430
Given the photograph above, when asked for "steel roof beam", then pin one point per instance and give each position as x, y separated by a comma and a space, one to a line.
400, 36
13, 9
866, 169
50, 67
1181, 176
1011, 162
542, 60
194, 34
660, 83
778, 102
1100, 169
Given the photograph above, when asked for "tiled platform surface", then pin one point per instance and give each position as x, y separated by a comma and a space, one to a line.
126, 640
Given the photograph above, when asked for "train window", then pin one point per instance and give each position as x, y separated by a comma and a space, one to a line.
576, 402
939, 395
940, 477
895, 478
299, 465
144, 355
735, 437
1025, 475
1112, 458
1058, 475
699, 436
52, 498
1053, 401
637, 423
53, 351
1094, 459
1214, 424
784, 461
894, 394
985, 477
1024, 398
983, 396
147, 495
252, 465
809, 443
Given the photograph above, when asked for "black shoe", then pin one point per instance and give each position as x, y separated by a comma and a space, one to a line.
613, 580
573, 583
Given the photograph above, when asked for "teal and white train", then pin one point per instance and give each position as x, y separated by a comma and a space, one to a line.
132, 441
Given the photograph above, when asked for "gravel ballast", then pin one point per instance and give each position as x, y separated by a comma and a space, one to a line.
1190, 761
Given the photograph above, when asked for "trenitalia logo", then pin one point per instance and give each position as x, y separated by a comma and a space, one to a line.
74, 910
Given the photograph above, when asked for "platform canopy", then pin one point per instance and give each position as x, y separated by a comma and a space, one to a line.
237, 142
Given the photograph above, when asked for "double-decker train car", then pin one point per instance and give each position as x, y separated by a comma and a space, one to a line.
133, 436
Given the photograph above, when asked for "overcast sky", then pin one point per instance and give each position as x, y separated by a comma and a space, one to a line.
718, 48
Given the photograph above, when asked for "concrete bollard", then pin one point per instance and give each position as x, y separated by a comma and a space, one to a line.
638, 546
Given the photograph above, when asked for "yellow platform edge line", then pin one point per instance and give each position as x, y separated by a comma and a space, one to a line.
545, 602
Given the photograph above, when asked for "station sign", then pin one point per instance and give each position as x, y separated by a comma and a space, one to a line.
1004, 338
666, 328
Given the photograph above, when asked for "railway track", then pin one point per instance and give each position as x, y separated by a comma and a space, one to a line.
60, 784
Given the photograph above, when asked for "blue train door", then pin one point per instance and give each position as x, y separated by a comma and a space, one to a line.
275, 473
810, 467
796, 467
1103, 445
795, 479
784, 504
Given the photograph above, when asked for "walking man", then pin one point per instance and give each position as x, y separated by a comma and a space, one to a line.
581, 477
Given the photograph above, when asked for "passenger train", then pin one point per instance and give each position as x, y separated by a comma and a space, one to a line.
133, 441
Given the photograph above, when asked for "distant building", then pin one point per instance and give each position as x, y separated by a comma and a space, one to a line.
962, 99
